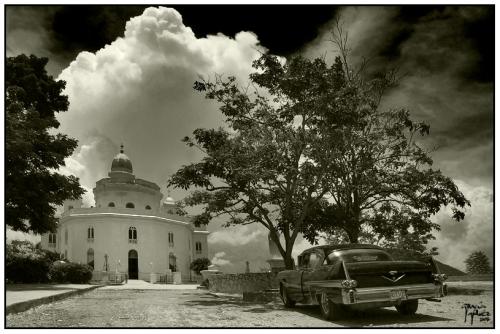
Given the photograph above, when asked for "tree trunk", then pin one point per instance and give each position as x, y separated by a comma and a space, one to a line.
289, 262
354, 228
353, 235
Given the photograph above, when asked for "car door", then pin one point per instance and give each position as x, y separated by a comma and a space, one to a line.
294, 277
314, 270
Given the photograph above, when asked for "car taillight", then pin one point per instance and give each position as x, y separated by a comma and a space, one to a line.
440, 277
349, 284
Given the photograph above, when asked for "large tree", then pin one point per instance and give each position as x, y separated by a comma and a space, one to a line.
270, 165
307, 150
33, 151
477, 263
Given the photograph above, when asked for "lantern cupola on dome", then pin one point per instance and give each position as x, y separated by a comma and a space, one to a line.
121, 162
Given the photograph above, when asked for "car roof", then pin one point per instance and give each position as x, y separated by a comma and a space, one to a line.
342, 247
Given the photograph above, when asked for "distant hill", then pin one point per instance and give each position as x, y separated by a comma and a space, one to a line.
449, 270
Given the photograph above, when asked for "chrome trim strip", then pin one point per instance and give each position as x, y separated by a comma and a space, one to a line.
382, 294
393, 280
347, 277
324, 284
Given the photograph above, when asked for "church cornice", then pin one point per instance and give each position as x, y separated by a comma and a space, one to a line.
72, 216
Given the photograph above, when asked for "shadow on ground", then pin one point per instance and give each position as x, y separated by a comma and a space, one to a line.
35, 287
376, 317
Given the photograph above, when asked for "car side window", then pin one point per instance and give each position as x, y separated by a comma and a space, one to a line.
304, 260
331, 259
315, 259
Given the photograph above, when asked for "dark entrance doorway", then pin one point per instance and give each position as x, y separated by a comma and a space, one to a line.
133, 265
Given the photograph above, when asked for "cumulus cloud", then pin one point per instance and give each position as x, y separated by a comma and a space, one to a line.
457, 240
248, 243
238, 236
218, 259
138, 91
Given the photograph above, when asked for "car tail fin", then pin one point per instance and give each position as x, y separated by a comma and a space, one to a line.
434, 265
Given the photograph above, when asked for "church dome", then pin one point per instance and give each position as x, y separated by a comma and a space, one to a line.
121, 162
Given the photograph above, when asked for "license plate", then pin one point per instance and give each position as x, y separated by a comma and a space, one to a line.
398, 294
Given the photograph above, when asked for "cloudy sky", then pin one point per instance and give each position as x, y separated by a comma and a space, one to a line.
130, 70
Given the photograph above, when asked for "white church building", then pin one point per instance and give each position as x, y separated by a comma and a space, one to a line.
130, 229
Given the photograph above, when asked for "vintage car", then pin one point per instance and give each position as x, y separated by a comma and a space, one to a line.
355, 277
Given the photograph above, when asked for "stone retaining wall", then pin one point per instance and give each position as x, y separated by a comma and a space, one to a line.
239, 283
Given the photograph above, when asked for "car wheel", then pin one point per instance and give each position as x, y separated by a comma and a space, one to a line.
408, 307
329, 309
285, 298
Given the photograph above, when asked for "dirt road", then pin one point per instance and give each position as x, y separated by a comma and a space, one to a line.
197, 308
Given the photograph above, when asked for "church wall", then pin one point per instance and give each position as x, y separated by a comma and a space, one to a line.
111, 238
122, 197
111, 227
200, 237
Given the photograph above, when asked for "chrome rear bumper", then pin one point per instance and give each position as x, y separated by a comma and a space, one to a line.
386, 294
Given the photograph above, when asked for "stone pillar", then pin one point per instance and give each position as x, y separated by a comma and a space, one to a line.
177, 277
152, 278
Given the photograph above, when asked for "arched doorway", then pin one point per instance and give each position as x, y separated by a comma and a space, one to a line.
133, 265
172, 262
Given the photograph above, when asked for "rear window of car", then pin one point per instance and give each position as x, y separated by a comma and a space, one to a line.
357, 255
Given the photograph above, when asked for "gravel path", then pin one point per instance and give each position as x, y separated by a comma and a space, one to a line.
198, 308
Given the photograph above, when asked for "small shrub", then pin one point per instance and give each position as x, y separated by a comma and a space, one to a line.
68, 272
200, 264
27, 270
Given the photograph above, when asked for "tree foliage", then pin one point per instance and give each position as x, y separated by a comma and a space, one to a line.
32, 151
307, 150
477, 263
26, 263
270, 165
200, 264
383, 186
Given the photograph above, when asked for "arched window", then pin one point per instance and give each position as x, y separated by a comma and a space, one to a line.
130, 205
148, 207
198, 247
111, 204
66, 236
170, 239
90, 257
90, 234
172, 262
132, 235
